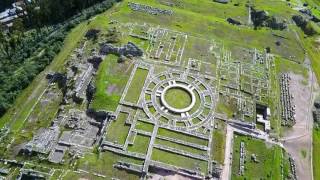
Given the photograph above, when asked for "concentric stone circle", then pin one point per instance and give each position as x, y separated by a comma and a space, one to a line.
157, 108
188, 89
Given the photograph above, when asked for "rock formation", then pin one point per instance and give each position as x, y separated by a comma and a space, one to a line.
128, 50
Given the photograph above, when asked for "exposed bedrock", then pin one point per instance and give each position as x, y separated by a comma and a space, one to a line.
128, 50
261, 18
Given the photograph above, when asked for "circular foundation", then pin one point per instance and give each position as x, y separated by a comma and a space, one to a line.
184, 89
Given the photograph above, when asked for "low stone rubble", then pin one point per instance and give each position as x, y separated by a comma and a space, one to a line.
149, 9
287, 107
128, 50
242, 158
293, 168
43, 141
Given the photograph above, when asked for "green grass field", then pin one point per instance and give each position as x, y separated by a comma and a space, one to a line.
110, 81
178, 98
136, 85
103, 164
118, 130
144, 126
140, 144
269, 157
181, 136
315, 154
180, 146
178, 160
218, 146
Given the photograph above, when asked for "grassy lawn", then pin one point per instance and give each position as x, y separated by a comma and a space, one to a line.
110, 84
315, 154
218, 146
228, 106
78, 176
140, 144
181, 136
118, 130
204, 22
269, 157
136, 85
180, 147
286, 66
178, 98
178, 160
103, 163
144, 126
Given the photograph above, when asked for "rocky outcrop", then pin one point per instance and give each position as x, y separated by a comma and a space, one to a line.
276, 23
222, 1
300, 21
92, 33
149, 9
122, 59
316, 112
99, 115
91, 90
310, 15
128, 50
306, 11
259, 17
234, 21
95, 61
309, 27
262, 19
59, 78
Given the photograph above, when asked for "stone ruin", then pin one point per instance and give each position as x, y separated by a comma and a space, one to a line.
287, 107
79, 77
81, 134
263, 114
43, 141
30, 174
242, 158
149, 9
129, 50
293, 168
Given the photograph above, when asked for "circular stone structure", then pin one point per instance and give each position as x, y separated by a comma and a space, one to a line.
183, 87
189, 110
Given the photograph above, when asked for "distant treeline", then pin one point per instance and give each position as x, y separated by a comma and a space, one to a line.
43, 12
24, 54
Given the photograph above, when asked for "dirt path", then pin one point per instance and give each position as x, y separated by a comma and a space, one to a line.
168, 176
226, 172
298, 140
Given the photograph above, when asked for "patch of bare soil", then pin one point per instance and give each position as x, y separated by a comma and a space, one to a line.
167, 175
297, 140
112, 88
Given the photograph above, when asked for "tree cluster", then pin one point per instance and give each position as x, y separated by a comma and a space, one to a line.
44, 12
25, 54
